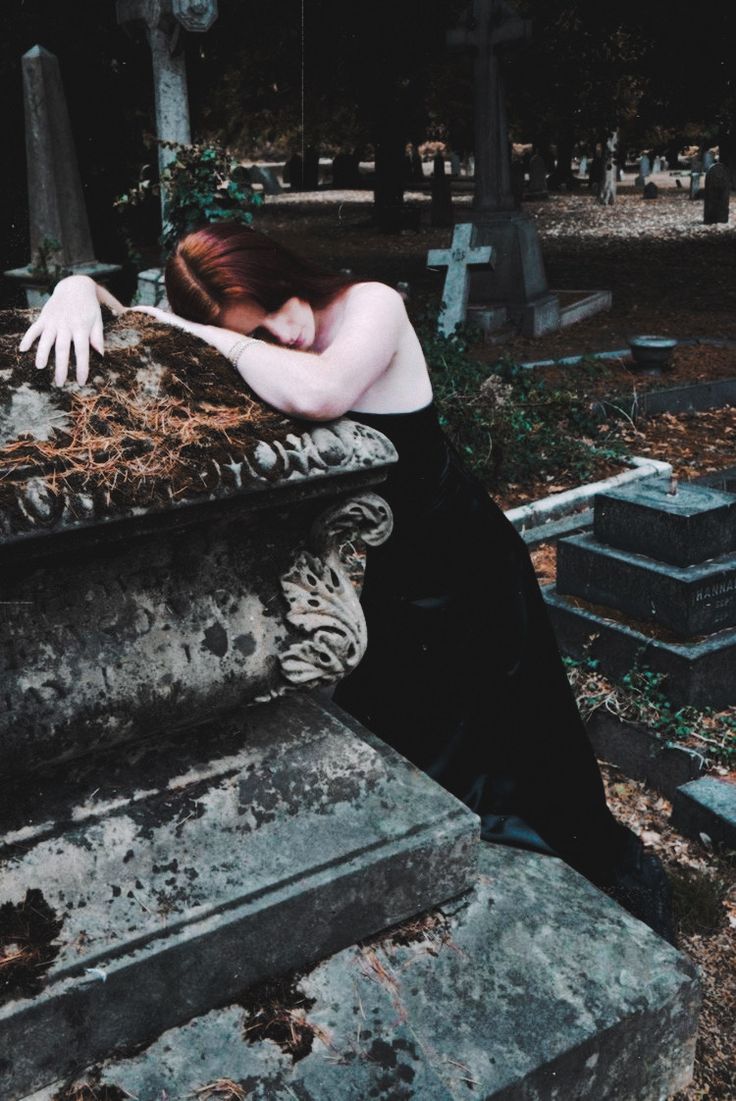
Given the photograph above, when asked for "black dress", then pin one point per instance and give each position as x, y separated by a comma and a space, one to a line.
462, 673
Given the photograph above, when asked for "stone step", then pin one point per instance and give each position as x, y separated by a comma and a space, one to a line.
688, 600
534, 985
168, 878
690, 526
698, 673
706, 806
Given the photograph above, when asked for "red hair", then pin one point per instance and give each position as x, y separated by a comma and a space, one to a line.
227, 262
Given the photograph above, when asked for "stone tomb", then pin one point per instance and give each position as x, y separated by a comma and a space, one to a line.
173, 871
665, 564
182, 821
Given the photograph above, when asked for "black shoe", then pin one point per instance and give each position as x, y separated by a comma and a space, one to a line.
509, 829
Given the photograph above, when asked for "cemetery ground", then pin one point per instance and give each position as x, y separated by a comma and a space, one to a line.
670, 275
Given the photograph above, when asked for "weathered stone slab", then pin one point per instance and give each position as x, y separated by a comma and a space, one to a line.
589, 305
641, 755
185, 871
532, 987
685, 528
706, 806
699, 673
688, 600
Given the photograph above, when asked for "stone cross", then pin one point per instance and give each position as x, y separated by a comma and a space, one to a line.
164, 20
491, 24
59, 227
458, 259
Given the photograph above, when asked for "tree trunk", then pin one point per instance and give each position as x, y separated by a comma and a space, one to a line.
727, 152
608, 190
672, 153
388, 192
563, 173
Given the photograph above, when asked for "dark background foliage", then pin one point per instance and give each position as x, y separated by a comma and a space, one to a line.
377, 74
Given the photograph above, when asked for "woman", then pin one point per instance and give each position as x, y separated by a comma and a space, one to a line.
462, 673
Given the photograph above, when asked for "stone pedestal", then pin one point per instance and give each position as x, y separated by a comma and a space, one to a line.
665, 566
183, 871
517, 280
531, 986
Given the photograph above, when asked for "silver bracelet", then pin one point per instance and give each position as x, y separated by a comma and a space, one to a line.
239, 347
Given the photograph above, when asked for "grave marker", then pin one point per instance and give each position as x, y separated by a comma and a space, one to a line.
517, 285
717, 194
59, 226
164, 20
458, 259
537, 175
667, 561
262, 174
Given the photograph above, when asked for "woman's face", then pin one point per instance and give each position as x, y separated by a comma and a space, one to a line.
293, 324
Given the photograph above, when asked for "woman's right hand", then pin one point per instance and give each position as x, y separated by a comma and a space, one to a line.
71, 316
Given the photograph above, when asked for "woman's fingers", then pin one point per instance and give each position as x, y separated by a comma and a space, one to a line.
81, 355
45, 344
61, 353
29, 336
97, 337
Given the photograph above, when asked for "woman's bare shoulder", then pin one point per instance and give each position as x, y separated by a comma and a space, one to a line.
379, 293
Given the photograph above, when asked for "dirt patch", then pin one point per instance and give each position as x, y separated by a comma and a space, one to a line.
27, 932
91, 1090
704, 890
431, 930
277, 1010
695, 443
606, 377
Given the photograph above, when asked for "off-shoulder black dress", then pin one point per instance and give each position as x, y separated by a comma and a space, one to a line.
462, 673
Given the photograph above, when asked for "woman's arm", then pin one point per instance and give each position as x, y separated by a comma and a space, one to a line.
317, 386
71, 316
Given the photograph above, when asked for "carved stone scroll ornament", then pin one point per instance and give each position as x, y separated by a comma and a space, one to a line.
323, 603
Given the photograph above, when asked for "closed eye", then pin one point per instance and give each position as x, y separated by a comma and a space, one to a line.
264, 334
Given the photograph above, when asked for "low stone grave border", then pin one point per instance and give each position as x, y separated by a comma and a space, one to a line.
703, 805
695, 397
548, 517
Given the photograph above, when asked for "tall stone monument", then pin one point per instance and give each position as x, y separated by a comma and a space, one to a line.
518, 280
60, 235
164, 21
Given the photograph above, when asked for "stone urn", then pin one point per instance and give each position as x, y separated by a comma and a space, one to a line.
652, 354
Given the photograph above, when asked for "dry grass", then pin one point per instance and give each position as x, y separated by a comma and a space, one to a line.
223, 1089
130, 440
